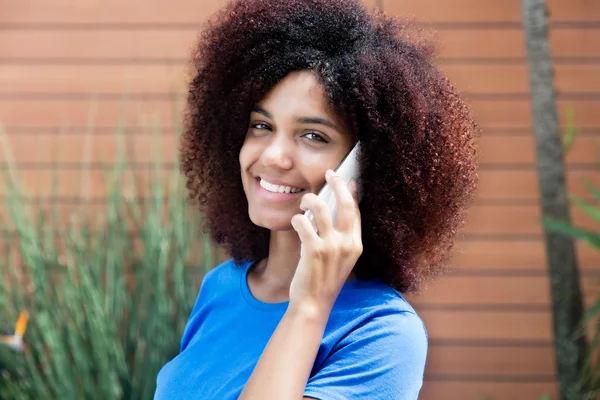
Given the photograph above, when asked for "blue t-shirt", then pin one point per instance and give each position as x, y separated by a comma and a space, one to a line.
374, 345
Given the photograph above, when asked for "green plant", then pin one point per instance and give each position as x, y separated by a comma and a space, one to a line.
108, 293
590, 379
591, 375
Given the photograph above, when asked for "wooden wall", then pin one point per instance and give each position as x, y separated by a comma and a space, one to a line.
65, 64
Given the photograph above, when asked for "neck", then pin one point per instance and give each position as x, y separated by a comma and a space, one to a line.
271, 278
277, 271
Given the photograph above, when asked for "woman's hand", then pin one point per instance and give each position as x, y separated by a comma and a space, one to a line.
326, 258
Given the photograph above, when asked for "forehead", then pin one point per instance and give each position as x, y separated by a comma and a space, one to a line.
298, 93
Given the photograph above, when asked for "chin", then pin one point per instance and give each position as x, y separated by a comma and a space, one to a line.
272, 222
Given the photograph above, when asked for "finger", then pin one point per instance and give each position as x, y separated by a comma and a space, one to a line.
346, 202
357, 230
307, 234
354, 190
320, 211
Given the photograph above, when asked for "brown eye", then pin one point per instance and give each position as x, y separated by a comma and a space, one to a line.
315, 137
260, 126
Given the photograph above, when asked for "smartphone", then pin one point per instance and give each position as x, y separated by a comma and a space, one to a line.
348, 169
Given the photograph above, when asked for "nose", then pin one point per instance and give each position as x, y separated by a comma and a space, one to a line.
277, 154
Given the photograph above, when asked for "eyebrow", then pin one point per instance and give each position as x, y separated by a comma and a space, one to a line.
302, 120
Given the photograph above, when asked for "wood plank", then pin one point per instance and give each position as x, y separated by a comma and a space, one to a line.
463, 390
112, 11
189, 12
175, 44
118, 78
506, 150
151, 113
516, 219
458, 11
497, 361
516, 114
523, 184
491, 291
507, 78
89, 78
57, 111
156, 44
513, 256
85, 183
486, 325
70, 149
509, 43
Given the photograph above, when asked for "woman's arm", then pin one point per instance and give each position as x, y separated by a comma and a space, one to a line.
284, 367
326, 261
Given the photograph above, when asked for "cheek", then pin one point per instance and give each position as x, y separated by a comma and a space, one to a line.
244, 157
315, 175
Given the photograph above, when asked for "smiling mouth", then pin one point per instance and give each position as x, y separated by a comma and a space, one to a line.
273, 188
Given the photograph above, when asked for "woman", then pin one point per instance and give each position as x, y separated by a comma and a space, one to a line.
281, 91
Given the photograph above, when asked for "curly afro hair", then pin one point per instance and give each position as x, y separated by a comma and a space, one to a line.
419, 161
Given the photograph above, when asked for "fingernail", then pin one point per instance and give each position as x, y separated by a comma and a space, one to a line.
329, 174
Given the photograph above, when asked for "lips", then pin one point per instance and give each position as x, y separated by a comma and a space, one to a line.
278, 188
270, 196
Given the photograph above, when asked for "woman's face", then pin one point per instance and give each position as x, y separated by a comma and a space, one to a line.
293, 138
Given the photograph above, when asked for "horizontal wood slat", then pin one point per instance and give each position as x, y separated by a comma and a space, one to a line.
153, 112
488, 291
466, 11
494, 43
516, 219
72, 149
93, 78
510, 150
513, 256
89, 78
500, 361
486, 325
89, 183
190, 12
523, 184
465, 390
173, 45
74, 111
113, 11
99, 45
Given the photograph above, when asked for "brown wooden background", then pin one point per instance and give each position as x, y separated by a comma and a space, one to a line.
66, 63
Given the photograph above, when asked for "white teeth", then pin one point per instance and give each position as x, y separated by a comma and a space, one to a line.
278, 188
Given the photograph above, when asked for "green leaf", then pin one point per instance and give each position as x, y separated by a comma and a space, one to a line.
587, 208
595, 192
570, 131
562, 227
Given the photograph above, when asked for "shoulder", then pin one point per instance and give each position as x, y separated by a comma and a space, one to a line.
221, 280
378, 317
226, 272
378, 347
376, 303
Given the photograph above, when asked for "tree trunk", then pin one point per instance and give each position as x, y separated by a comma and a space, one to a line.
567, 304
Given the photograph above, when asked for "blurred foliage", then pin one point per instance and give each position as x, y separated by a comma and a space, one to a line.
590, 378
108, 292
